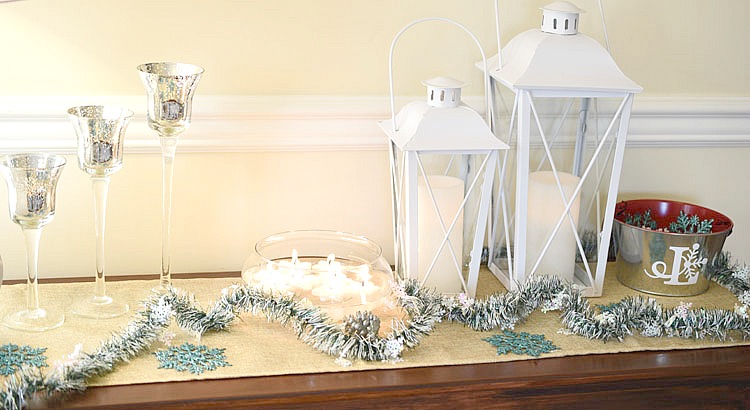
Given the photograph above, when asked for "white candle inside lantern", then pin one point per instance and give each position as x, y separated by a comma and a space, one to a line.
448, 193
544, 210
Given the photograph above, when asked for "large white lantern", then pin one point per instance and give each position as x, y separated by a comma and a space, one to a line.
443, 156
569, 124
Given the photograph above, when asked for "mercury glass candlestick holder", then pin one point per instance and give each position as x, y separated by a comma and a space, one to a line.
170, 88
32, 182
100, 131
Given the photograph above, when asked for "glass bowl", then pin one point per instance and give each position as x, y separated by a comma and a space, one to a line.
339, 272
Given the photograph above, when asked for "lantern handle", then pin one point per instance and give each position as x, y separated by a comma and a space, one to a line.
497, 36
604, 27
488, 108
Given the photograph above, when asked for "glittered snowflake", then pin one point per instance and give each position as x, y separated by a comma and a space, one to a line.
651, 329
742, 311
606, 318
13, 357
742, 273
393, 349
161, 312
680, 314
556, 303
465, 300
682, 310
744, 298
398, 289
192, 358
520, 343
461, 301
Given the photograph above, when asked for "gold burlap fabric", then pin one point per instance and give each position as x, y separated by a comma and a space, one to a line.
256, 347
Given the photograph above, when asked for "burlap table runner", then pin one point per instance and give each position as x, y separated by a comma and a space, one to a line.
256, 347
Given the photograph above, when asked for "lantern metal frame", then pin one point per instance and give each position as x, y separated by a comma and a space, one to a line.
406, 166
516, 72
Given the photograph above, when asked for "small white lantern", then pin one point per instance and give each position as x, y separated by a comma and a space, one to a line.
443, 156
561, 222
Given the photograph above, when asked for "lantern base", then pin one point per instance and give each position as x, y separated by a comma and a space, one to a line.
499, 268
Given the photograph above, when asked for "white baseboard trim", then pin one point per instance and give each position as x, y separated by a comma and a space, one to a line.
332, 123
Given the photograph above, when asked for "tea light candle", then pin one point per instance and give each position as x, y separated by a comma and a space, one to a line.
364, 276
336, 286
448, 193
271, 279
337, 272
544, 210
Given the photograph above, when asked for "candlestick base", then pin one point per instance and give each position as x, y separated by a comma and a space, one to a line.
161, 288
34, 320
99, 307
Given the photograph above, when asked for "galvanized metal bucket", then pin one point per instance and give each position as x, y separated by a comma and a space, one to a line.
666, 263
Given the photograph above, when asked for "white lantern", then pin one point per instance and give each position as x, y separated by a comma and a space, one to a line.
443, 157
565, 190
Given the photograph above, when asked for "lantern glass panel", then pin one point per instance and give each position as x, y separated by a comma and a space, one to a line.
568, 136
454, 180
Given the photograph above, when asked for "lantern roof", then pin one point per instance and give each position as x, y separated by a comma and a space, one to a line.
421, 127
535, 60
563, 7
444, 82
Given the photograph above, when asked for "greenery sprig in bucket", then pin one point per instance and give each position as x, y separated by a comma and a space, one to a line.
683, 224
664, 246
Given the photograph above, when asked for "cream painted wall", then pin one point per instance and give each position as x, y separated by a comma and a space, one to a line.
224, 202
91, 47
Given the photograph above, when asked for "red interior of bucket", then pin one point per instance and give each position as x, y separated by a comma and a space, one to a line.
664, 212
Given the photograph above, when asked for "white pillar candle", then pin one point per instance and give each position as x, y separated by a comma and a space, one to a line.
449, 193
544, 210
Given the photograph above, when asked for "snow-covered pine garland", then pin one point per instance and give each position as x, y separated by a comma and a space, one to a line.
425, 308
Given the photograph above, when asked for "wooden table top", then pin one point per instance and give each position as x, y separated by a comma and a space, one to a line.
680, 379
714, 378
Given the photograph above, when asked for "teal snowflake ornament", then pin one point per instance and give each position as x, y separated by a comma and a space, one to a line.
13, 357
520, 343
192, 358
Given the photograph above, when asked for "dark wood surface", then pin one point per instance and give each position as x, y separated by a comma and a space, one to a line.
682, 379
716, 378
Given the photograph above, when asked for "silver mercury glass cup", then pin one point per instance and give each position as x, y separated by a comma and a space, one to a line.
32, 182
170, 88
100, 131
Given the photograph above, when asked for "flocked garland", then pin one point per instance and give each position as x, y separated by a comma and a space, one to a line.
425, 308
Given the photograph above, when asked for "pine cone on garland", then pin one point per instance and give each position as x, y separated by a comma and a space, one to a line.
363, 324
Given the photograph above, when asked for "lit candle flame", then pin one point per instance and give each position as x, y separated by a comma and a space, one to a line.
295, 257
